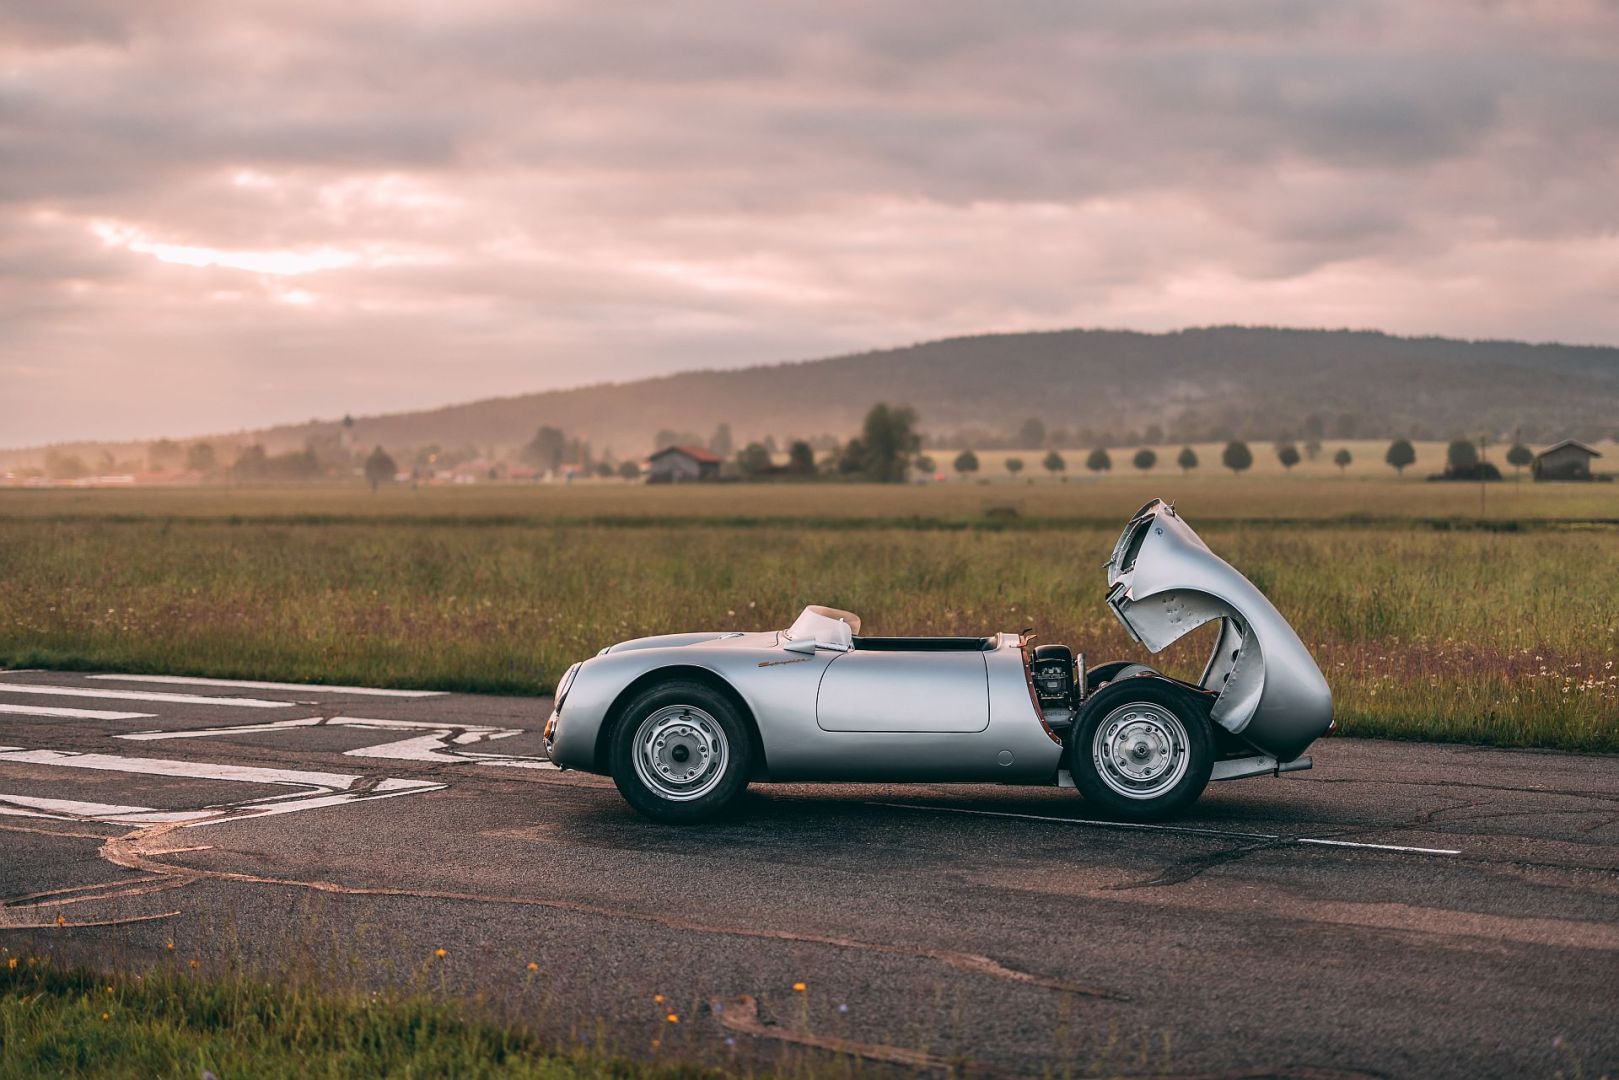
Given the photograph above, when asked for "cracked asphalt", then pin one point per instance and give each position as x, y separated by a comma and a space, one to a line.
353, 835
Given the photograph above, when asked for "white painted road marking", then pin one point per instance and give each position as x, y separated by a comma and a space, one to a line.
1170, 828
246, 684
139, 695
317, 789
72, 714
439, 742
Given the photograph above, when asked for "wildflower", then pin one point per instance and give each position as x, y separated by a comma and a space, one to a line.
169, 945
106, 1016
532, 966
673, 1018
657, 999
843, 1008
798, 988
192, 964
12, 963
730, 1041
61, 920
440, 953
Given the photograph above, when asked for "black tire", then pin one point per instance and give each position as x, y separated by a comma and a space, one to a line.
700, 766
1166, 741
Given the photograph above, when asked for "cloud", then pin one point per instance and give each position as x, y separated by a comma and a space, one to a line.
296, 208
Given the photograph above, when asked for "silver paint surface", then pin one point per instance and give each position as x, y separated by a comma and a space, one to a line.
829, 715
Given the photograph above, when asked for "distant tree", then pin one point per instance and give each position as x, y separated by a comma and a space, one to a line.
1400, 454
251, 464
1288, 455
547, 450
64, 466
719, 443
1032, 434
1312, 448
1462, 454
770, 444
1154, 435
1145, 459
1236, 456
801, 459
1014, 465
1186, 459
163, 453
629, 470
379, 469
1098, 461
1054, 463
852, 460
889, 442
753, 460
925, 465
966, 463
1519, 456
200, 457
1342, 459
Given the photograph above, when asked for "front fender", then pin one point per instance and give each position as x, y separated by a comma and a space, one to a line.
1164, 582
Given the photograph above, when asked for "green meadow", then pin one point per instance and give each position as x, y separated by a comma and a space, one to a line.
1433, 616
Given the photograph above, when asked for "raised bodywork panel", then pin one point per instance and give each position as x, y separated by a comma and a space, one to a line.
1164, 582
904, 691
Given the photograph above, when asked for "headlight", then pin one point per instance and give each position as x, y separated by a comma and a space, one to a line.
565, 684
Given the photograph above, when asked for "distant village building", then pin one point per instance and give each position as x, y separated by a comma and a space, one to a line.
683, 465
1568, 460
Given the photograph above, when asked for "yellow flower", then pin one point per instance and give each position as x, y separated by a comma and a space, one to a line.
672, 1018
192, 964
532, 966
61, 920
798, 988
440, 953
12, 963
106, 1016
657, 999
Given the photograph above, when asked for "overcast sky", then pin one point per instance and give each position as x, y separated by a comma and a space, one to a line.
217, 215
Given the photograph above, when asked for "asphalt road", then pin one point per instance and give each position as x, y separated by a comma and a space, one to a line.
359, 832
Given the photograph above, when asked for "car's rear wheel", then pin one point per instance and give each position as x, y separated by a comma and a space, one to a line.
1140, 750
681, 752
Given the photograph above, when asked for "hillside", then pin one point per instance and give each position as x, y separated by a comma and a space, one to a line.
1098, 385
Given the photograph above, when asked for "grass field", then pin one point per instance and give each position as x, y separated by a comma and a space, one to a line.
1430, 618
78, 1023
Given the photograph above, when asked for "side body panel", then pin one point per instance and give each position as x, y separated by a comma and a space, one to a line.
905, 691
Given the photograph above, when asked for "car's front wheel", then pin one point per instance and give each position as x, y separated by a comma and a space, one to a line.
681, 752
1140, 750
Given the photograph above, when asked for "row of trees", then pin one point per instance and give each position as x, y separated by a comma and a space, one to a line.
1238, 456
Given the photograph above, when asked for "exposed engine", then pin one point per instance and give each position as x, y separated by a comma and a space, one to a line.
1056, 682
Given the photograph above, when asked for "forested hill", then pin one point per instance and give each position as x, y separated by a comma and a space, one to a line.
1191, 384
1097, 385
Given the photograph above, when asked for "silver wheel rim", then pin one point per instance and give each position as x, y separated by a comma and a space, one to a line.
680, 753
1140, 750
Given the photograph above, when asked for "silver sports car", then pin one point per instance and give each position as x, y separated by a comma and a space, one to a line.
682, 722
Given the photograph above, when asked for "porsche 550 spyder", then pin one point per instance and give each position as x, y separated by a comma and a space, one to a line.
683, 722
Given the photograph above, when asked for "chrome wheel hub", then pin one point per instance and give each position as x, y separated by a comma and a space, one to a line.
680, 753
1140, 750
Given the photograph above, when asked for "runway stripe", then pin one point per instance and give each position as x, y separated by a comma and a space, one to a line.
1187, 829
139, 695
197, 770
187, 680
72, 714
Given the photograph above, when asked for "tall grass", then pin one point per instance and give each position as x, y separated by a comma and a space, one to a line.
1477, 635
76, 1022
